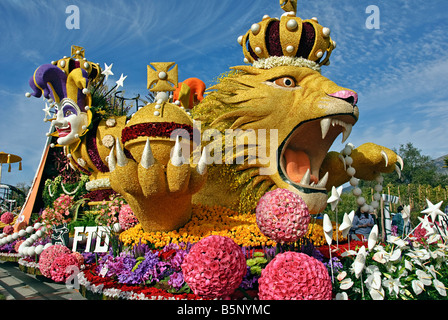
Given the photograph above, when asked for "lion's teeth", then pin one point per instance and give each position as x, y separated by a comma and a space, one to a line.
325, 126
306, 178
346, 132
323, 182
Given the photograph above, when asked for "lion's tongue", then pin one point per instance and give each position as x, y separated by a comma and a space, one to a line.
297, 163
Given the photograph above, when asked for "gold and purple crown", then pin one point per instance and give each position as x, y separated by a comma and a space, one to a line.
290, 39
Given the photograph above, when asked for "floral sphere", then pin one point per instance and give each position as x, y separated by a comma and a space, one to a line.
7, 218
79, 257
214, 267
59, 270
47, 257
126, 217
8, 229
295, 276
282, 215
17, 245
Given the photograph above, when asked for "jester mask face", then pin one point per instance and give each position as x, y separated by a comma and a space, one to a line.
70, 122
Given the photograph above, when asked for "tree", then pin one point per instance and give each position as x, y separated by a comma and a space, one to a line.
418, 169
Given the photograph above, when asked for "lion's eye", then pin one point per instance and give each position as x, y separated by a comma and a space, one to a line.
286, 82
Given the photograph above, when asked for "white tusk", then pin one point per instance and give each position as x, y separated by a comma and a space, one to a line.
121, 157
177, 159
147, 156
400, 161
111, 161
347, 131
306, 178
341, 157
397, 169
323, 182
385, 157
325, 126
202, 165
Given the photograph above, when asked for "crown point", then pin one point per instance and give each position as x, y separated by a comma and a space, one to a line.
289, 49
85, 91
334, 44
62, 63
156, 113
53, 62
265, 17
319, 54
327, 63
291, 24
315, 19
255, 28
240, 40
258, 50
27, 94
246, 60
326, 32
86, 65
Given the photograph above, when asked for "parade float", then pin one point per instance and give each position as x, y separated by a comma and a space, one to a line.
215, 193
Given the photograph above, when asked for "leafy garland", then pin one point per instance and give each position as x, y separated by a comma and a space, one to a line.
54, 188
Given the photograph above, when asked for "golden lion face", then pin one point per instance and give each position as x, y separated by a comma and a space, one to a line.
308, 112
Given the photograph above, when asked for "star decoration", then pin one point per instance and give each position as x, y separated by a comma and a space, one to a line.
107, 71
433, 210
47, 111
335, 197
346, 223
426, 225
120, 81
328, 229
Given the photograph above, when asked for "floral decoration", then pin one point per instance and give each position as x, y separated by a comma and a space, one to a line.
59, 270
214, 267
282, 215
7, 218
47, 257
295, 276
154, 129
126, 217
8, 229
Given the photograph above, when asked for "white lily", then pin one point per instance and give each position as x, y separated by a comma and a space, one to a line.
396, 255
417, 286
406, 214
439, 287
342, 296
398, 241
373, 237
374, 277
423, 277
376, 294
360, 261
393, 285
345, 284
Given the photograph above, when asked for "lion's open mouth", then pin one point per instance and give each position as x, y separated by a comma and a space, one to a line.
301, 154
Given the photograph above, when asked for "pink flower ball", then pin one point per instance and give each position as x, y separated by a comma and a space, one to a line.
282, 216
7, 218
8, 229
59, 270
294, 276
79, 257
214, 267
126, 217
47, 257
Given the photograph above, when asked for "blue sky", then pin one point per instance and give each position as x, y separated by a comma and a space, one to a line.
400, 70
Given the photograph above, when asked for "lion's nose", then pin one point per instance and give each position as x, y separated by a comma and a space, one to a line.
347, 95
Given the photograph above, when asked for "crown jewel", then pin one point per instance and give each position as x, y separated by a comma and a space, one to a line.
290, 37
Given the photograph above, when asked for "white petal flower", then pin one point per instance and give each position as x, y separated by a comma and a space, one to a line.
417, 286
376, 294
360, 261
342, 296
345, 284
439, 287
424, 277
